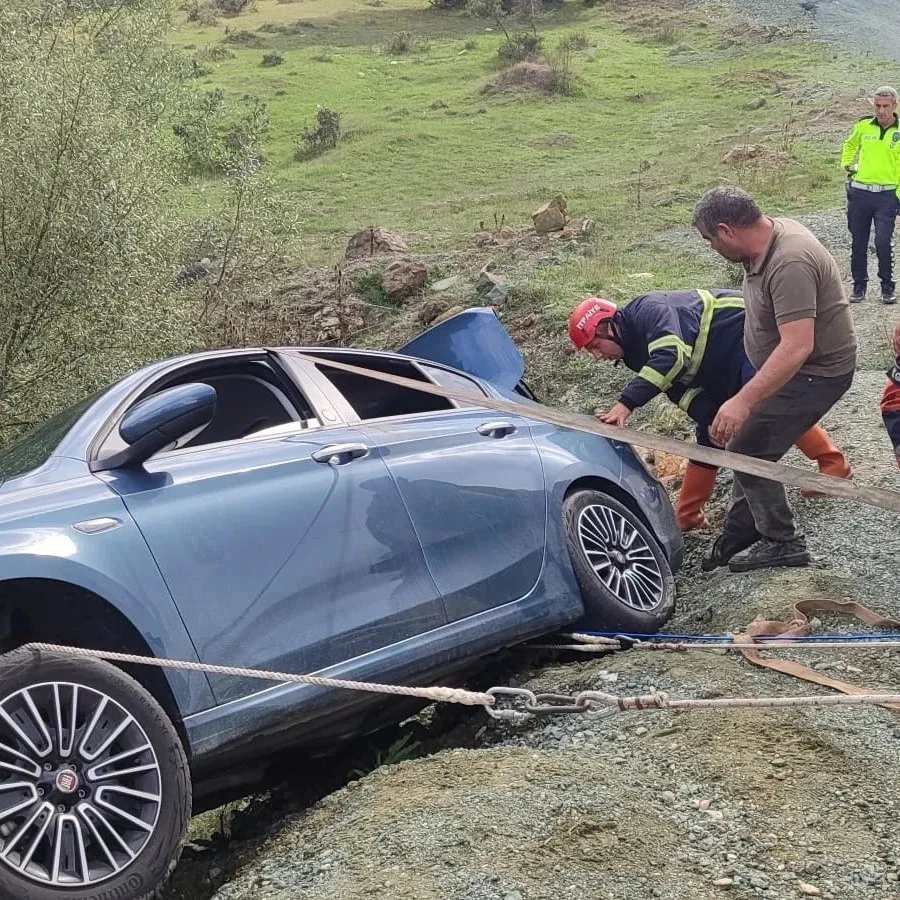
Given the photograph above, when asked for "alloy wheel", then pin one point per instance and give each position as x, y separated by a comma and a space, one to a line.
621, 557
80, 785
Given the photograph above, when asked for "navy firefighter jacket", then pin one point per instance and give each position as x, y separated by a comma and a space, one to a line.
682, 343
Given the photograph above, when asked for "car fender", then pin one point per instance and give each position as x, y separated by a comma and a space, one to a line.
104, 563
570, 456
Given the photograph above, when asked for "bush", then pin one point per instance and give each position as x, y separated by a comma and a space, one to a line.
90, 225
577, 40
231, 7
402, 42
202, 14
325, 136
520, 47
213, 133
272, 58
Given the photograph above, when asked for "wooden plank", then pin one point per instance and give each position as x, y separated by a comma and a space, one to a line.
801, 478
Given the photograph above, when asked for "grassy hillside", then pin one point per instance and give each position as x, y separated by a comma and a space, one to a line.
660, 94
428, 152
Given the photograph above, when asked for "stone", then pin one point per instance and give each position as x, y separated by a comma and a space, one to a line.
551, 216
578, 229
809, 890
430, 311
742, 154
403, 279
723, 882
445, 284
373, 241
758, 103
641, 276
492, 288
448, 313
195, 271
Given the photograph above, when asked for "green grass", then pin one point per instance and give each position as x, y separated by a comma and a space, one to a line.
430, 155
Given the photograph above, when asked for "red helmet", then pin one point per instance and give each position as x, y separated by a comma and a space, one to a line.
586, 317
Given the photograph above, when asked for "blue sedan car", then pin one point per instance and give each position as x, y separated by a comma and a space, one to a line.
261, 508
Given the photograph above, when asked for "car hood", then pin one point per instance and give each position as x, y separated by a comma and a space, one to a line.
473, 341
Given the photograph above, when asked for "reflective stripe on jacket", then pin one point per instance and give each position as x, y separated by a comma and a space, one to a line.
689, 340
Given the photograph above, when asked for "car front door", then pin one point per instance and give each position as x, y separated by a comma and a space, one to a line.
288, 549
471, 479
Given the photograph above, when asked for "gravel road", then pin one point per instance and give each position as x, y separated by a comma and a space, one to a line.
862, 26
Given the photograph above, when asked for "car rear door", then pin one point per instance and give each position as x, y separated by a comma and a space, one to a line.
471, 480
287, 550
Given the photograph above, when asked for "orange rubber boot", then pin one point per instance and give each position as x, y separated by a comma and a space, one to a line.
816, 444
696, 489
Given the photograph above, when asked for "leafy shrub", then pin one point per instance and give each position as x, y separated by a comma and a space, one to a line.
402, 42
272, 58
520, 47
325, 136
213, 134
577, 40
470, 44
231, 7
202, 13
242, 38
213, 53
91, 226
369, 288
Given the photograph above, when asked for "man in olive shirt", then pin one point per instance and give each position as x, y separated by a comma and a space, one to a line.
799, 335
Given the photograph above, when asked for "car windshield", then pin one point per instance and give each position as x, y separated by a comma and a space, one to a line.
35, 448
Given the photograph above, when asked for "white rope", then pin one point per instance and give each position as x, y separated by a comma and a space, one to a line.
439, 694
663, 701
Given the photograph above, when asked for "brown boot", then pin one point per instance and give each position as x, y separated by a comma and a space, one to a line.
696, 489
816, 444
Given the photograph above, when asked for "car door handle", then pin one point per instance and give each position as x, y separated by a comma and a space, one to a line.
340, 454
496, 429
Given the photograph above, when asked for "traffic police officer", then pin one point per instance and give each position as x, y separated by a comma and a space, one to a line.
688, 345
871, 157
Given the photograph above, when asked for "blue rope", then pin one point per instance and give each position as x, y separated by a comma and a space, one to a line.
720, 638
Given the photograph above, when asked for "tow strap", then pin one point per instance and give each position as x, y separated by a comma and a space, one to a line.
798, 627
801, 478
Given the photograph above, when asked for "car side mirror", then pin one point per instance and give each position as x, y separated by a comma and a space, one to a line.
160, 420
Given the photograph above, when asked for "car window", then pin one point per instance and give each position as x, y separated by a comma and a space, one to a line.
252, 400
35, 448
454, 381
374, 399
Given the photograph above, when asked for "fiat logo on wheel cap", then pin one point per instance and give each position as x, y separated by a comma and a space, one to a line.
67, 781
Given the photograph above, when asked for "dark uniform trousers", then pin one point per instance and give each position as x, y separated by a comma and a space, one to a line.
864, 208
760, 505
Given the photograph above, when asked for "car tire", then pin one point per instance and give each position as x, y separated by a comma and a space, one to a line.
625, 580
86, 740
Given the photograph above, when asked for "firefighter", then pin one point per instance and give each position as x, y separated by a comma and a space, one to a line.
890, 399
688, 345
